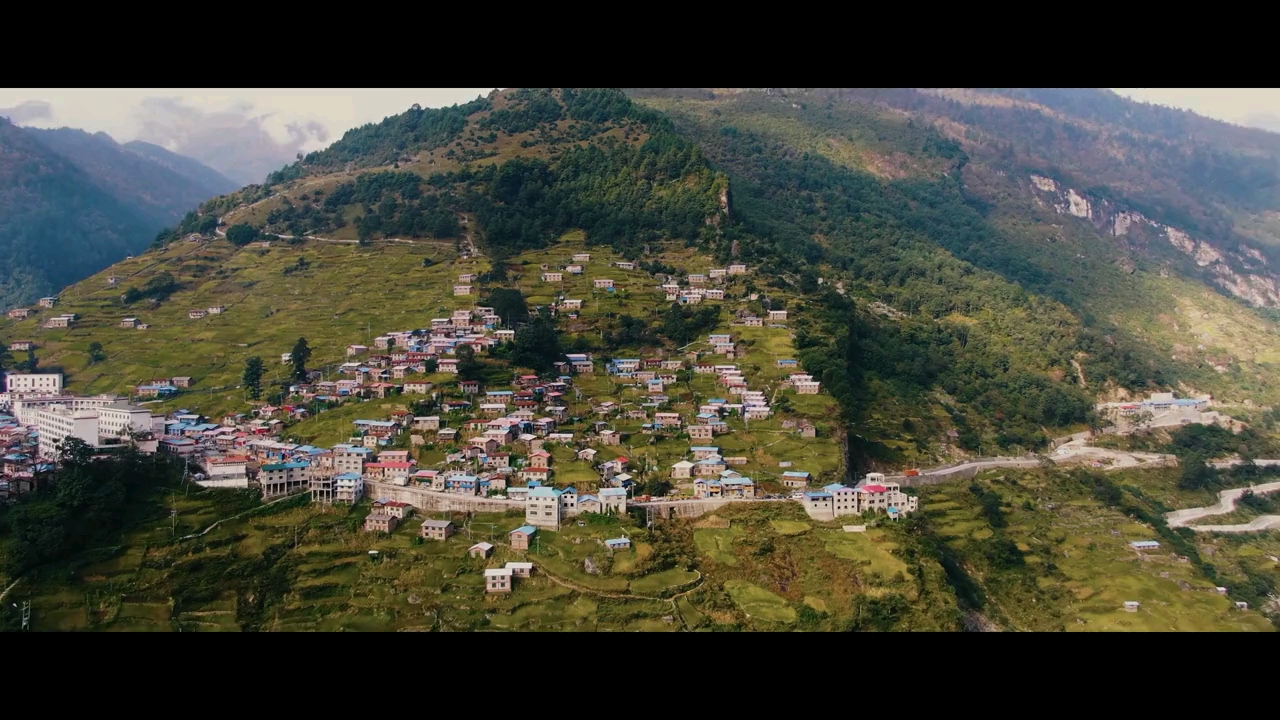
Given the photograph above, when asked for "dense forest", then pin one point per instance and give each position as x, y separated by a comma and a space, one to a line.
86, 503
646, 184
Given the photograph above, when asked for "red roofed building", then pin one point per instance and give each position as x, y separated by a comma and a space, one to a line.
393, 508
390, 471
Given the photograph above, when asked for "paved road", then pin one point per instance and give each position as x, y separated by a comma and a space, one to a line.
1226, 503
1258, 524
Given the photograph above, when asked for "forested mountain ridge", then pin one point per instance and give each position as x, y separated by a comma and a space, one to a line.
1206, 187
953, 301
72, 202
162, 185
946, 245
57, 225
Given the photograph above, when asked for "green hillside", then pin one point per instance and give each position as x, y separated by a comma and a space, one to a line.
949, 304
941, 295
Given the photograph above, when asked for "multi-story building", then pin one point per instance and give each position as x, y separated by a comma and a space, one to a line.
351, 460
226, 472
34, 383
101, 426
120, 419
348, 488
542, 508
838, 500
57, 422
281, 479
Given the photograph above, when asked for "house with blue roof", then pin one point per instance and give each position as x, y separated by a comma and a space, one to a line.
522, 536
462, 484
156, 390
795, 479
589, 504
710, 467
544, 508
618, 543
613, 500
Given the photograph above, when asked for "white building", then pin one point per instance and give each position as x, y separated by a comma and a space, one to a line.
120, 419
34, 383
348, 488
56, 423
226, 473
96, 426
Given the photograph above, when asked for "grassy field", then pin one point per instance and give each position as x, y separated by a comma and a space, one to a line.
309, 568
1060, 560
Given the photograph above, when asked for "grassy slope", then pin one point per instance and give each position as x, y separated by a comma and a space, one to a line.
1079, 568
328, 582
348, 295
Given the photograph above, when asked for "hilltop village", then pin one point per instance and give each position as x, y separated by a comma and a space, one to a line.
466, 445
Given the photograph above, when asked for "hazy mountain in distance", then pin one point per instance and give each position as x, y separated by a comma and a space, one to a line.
156, 188
57, 223
215, 182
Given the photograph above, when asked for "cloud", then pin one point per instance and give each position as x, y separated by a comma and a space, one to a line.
234, 142
28, 111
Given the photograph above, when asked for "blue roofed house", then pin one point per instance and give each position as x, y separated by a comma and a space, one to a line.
710, 467
618, 543
795, 479
737, 487
589, 504
704, 488
613, 500
543, 508
522, 536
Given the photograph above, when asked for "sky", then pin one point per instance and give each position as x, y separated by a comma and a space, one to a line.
1255, 107
244, 134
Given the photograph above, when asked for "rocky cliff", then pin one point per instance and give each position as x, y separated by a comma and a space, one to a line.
1242, 270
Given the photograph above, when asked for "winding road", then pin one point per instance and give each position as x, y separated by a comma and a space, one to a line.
1227, 503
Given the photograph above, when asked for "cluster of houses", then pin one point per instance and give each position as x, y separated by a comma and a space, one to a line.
698, 288
873, 493
497, 439
20, 460
63, 320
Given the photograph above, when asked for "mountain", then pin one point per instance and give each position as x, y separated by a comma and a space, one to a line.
71, 203
57, 224
162, 185
965, 271
965, 274
208, 180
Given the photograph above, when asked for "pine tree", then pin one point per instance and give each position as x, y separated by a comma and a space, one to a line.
253, 377
301, 354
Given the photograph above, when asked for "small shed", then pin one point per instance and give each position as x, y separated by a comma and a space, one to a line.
618, 543
480, 549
